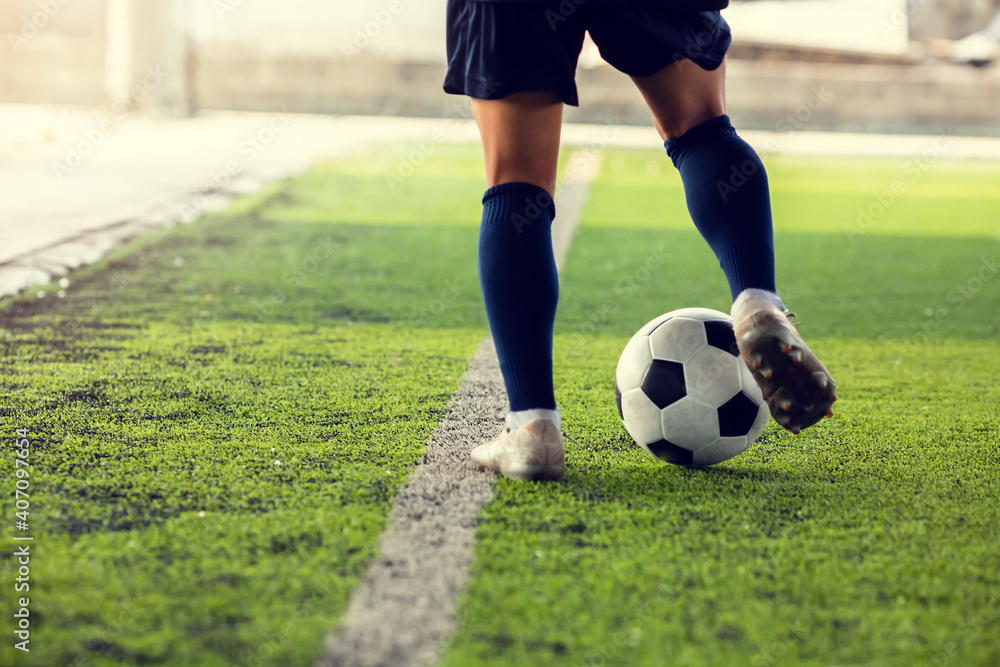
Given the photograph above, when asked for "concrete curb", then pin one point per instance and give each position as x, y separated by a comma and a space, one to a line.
61, 257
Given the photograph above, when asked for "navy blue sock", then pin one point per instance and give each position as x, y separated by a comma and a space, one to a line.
727, 195
517, 271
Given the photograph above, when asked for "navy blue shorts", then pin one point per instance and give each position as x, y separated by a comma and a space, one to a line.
495, 49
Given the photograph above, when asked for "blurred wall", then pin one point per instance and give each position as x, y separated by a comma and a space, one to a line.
127, 53
411, 30
53, 51
387, 57
147, 51
871, 26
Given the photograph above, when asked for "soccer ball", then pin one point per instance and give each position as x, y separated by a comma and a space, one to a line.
683, 392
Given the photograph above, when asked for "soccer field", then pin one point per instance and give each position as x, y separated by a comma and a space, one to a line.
221, 414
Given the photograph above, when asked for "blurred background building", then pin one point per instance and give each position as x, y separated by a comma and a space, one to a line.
861, 65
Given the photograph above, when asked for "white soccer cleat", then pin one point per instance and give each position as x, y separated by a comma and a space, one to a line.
532, 452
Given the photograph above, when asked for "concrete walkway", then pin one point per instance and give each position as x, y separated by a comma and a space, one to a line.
78, 182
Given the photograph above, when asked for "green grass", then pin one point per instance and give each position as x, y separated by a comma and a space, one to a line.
325, 322
221, 415
870, 539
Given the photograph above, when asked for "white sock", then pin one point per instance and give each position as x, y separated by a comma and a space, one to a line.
764, 295
516, 420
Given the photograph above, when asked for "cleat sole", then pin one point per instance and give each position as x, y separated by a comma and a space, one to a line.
533, 473
796, 385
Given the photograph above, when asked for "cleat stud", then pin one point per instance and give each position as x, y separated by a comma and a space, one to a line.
796, 431
829, 415
766, 375
833, 399
786, 406
807, 409
786, 348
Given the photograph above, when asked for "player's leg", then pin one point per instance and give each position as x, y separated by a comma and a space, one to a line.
677, 60
724, 180
727, 193
517, 272
518, 69
517, 269
520, 135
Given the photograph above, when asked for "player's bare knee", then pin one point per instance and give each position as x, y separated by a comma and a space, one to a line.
677, 125
680, 99
542, 176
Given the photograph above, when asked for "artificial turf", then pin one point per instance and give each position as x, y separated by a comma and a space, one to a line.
222, 413
870, 539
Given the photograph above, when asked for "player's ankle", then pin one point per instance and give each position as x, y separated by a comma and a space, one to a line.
761, 294
516, 420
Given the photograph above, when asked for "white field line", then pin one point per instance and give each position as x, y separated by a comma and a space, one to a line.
405, 609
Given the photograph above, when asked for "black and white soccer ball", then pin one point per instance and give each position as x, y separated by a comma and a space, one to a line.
683, 392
